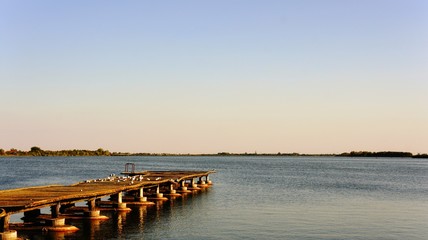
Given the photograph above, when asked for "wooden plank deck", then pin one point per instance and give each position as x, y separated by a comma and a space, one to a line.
25, 199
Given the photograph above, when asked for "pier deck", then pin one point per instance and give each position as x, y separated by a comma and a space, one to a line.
26, 199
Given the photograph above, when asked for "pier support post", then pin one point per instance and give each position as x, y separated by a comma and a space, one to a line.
158, 194
92, 209
140, 197
91, 205
55, 210
193, 185
5, 233
4, 223
172, 192
55, 220
119, 197
9, 235
171, 189
201, 182
120, 203
209, 182
183, 186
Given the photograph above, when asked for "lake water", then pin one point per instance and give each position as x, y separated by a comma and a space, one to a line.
253, 197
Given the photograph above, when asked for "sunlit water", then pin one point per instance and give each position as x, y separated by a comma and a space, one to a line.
253, 197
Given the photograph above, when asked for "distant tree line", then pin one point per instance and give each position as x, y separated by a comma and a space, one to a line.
350, 154
268, 154
36, 151
384, 154
377, 154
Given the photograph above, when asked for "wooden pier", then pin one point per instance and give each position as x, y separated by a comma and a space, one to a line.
134, 188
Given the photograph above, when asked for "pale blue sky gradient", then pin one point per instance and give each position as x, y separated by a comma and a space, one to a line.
209, 76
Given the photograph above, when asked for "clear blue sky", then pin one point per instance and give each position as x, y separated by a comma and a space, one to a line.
207, 76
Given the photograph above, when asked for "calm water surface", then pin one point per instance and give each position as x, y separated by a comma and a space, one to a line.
253, 197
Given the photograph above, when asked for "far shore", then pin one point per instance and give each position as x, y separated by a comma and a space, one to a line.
38, 152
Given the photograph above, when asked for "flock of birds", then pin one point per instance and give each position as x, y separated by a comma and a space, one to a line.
119, 179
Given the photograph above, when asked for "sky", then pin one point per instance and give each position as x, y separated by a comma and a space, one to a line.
267, 76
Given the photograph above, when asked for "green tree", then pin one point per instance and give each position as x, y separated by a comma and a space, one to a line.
36, 151
12, 151
102, 152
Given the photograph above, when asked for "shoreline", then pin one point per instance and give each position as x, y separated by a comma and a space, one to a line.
37, 152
